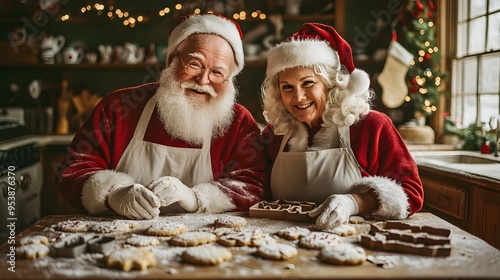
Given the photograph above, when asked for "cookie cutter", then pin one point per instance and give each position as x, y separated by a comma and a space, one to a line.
74, 245
284, 210
101, 244
71, 246
404, 238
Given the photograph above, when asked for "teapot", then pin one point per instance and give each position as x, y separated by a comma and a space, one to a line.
72, 55
49, 48
106, 52
133, 53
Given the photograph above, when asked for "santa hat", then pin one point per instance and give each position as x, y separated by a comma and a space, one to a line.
211, 24
317, 43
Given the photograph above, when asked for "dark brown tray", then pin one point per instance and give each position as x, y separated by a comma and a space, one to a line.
403, 238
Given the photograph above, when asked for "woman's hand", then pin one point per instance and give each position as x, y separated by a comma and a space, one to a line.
335, 210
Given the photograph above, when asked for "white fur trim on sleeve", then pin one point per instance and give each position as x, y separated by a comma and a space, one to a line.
96, 189
391, 197
211, 199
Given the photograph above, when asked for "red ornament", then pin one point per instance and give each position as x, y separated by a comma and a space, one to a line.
419, 4
431, 5
429, 14
427, 56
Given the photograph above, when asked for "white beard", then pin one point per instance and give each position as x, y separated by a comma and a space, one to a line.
185, 118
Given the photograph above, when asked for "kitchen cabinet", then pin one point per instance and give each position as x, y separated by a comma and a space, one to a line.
486, 213
471, 203
52, 202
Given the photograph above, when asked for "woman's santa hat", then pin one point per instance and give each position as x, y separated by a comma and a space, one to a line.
208, 24
317, 43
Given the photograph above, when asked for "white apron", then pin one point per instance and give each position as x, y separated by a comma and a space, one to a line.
146, 161
314, 175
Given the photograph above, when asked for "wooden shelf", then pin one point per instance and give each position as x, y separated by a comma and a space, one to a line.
248, 63
305, 18
82, 66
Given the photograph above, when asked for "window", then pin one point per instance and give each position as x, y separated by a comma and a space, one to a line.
476, 66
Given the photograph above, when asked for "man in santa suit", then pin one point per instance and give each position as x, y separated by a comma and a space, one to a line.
179, 145
324, 144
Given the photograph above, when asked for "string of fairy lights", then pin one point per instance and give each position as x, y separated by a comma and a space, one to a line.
129, 20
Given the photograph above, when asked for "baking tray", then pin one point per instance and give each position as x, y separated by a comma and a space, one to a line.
283, 209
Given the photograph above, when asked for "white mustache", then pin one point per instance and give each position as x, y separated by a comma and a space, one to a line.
200, 88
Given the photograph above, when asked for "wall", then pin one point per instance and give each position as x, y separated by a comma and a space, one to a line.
91, 30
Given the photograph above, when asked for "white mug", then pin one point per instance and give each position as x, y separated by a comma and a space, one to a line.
91, 57
72, 55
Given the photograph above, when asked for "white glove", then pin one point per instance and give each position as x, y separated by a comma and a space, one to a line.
171, 190
134, 202
335, 210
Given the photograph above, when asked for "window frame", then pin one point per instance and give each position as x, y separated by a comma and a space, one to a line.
457, 90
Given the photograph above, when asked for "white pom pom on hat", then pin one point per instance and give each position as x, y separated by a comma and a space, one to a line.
211, 23
317, 43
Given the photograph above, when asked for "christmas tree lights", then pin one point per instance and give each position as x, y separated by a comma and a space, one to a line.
424, 77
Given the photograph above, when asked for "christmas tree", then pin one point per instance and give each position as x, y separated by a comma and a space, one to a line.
424, 78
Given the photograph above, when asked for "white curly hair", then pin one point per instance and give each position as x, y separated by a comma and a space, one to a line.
345, 104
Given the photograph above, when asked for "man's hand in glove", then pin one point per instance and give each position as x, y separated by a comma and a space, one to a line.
171, 190
334, 211
134, 202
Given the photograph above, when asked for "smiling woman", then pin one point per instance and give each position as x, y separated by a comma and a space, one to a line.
326, 145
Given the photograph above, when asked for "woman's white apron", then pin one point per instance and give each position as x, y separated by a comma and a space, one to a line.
314, 175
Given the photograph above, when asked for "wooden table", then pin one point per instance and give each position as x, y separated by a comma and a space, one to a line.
471, 258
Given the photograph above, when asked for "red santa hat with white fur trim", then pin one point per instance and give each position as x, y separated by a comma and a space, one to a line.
317, 43
208, 24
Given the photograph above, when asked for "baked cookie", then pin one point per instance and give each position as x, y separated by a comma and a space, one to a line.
345, 253
32, 251
206, 255
356, 220
220, 231
131, 224
72, 226
141, 240
266, 239
244, 238
130, 258
230, 221
343, 230
277, 251
34, 239
193, 238
110, 227
318, 240
166, 229
293, 233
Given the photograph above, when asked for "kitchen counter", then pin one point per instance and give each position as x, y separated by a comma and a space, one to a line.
38, 140
470, 258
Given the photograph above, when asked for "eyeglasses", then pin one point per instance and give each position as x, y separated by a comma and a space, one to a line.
193, 68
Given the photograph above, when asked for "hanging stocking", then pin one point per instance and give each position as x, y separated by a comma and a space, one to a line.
392, 78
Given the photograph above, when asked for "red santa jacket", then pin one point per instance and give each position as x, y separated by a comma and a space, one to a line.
387, 166
238, 164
